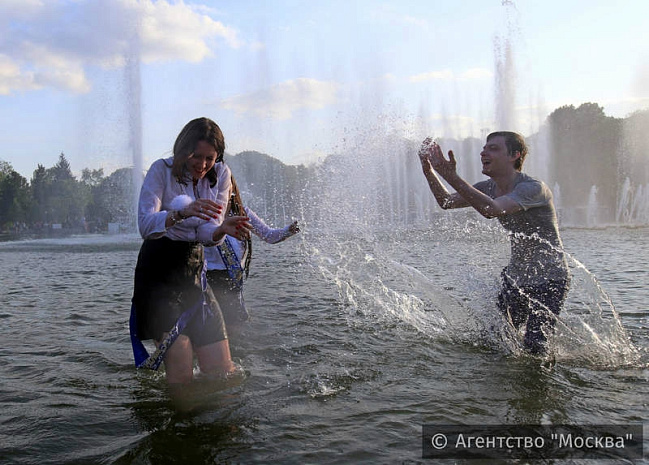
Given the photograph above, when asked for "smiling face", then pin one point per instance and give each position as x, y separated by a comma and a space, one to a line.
495, 157
198, 147
201, 160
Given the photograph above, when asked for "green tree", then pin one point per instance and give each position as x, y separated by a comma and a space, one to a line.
634, 160
585, 146
92, 178
40, 211
111, 200
15, 197
68, 197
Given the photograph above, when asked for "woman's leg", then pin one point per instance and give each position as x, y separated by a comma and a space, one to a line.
215, 358
179, 361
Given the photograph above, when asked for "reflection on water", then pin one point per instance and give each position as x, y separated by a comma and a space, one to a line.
353, 338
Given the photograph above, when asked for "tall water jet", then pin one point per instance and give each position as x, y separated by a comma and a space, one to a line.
134, 104
622, 213
592, 208
505, 93
505, 78
640, 208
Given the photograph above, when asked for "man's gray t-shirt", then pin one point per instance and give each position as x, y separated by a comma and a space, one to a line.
536, 249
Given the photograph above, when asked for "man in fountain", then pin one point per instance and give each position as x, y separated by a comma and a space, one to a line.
536, 280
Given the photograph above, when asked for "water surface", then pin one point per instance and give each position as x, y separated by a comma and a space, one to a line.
357, 340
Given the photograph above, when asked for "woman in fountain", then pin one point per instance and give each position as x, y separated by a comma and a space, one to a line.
179, 210
228, 263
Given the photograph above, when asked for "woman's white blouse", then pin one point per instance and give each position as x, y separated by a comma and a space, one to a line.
261, 229
160, 187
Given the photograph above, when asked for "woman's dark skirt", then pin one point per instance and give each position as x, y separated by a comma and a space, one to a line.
230, 298
168, 282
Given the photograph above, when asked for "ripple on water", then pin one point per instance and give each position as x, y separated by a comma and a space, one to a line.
345, 346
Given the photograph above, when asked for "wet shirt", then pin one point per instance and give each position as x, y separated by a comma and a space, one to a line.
536, 249
160, 187
260, 228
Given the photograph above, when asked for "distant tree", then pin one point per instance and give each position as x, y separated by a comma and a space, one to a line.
584, 147
61, 172
40, 211
634, 151
57, 195
68, 197
268, 186
92, 177
15, 197
112, 200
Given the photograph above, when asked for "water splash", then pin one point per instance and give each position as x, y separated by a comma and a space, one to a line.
447, 291
589, 330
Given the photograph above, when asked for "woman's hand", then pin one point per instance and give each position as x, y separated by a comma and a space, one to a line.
238, 227
205, 209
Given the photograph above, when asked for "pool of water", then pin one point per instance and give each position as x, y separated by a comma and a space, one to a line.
356, 341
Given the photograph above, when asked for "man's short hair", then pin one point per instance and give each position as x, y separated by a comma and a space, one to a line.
514, 143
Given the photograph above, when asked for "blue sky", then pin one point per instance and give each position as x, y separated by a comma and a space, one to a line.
299, 80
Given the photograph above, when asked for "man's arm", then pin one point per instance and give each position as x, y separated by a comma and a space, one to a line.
466, 194
444, 198
485, 205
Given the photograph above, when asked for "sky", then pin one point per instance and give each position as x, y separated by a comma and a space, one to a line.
110, 83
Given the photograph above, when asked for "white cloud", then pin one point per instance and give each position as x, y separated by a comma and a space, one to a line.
63, 75
19, 8
414, 21
475, 74
70, 79
282, 100
392, 15
56, 41
448, 75
444, 75
257, 46
176, 31
13, 78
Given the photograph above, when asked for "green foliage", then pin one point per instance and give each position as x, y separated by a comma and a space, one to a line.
54, 195
268, 186
584, 152
587, 148
14, 197
111, 200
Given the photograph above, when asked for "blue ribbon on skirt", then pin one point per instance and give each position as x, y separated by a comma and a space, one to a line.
152, 362
232, 263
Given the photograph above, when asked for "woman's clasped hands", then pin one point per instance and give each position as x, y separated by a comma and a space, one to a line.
205, 209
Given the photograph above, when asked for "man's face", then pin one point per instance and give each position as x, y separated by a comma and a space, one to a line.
495, 158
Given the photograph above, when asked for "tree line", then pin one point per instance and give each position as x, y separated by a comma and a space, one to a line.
378, 180
54, 198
